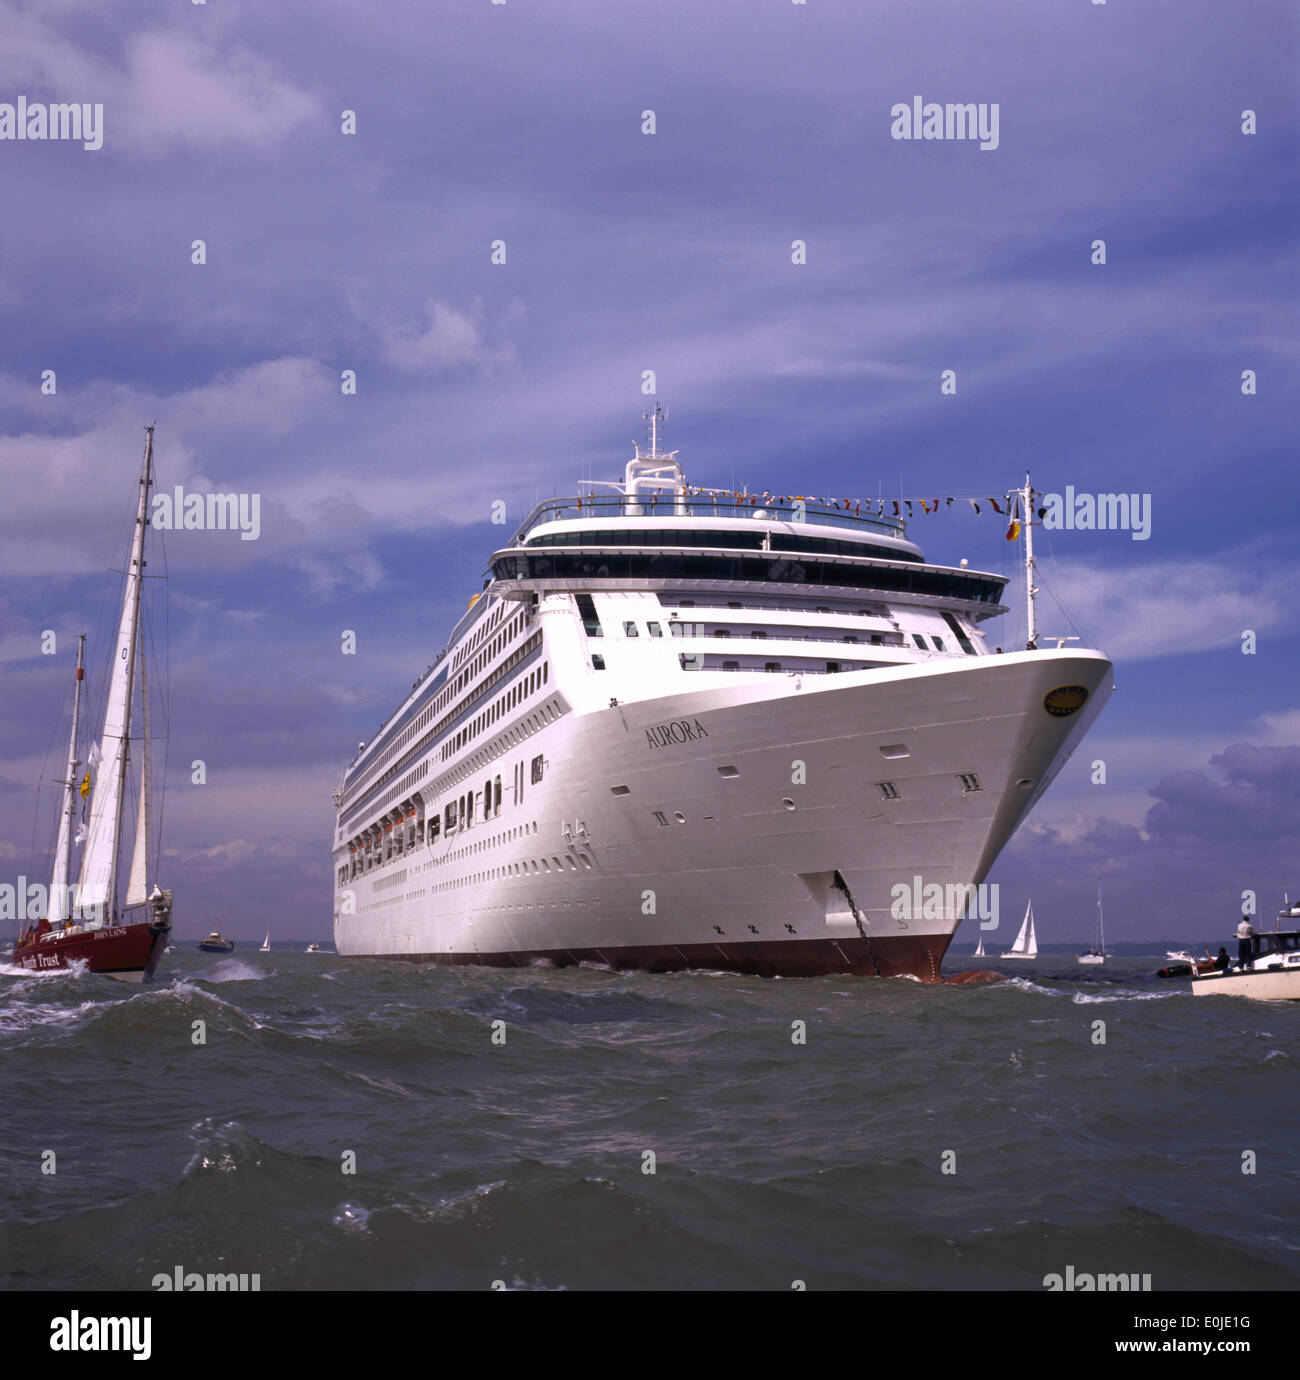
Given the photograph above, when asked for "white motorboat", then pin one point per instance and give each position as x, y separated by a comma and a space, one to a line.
1271, 973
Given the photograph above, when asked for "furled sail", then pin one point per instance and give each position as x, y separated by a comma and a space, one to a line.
137, 888
60, 907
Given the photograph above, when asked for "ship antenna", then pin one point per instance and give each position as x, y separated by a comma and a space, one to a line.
654, 429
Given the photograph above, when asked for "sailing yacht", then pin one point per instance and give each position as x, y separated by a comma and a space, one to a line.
266, 944
88, 922
1096, 954
979, 948
684, 727
1026, 945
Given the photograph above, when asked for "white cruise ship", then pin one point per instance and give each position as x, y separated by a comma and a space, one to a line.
684, 728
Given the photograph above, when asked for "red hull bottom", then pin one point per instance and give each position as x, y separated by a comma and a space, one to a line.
916, 956
129, 953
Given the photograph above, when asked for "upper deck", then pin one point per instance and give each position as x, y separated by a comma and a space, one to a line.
708, 504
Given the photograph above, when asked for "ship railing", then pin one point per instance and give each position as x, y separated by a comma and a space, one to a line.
709, 505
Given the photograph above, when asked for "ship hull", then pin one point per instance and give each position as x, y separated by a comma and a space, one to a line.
885, 956
128, 953
1276, 984
742, 828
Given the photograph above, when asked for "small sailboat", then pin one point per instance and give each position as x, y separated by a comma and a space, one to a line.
266, 944
1026, 945
90, 921
1097, 954
979, 948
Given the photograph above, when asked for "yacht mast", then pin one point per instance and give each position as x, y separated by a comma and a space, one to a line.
60, 906
1031, 589
99, 863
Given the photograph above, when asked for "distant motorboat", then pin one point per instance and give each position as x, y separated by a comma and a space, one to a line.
217, 943
1184, 965
313, 948
1026, 945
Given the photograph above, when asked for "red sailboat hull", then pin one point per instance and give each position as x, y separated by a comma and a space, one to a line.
129, 953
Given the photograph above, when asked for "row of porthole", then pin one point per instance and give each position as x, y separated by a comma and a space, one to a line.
506, 836
517, 869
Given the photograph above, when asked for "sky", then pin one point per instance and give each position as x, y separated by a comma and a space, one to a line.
672, 251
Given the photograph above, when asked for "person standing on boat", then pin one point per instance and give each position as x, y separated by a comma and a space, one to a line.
1245, 937
1223, 962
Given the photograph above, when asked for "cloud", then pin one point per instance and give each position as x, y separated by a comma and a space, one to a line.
179, 90
174, 89
1158, 608
1208, 836
1255, 805
450, 339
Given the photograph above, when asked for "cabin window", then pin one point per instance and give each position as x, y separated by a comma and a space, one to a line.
731, 666
849, 637
832, 666
629, 630
654, 630
963, 641
722, 632
758, 632
876, 639
587, 611
597, 662
771, 666
735, 604
537, 764
938, 642
920, 642
620, 790
496, 795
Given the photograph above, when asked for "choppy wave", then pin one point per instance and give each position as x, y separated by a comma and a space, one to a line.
408, 1127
